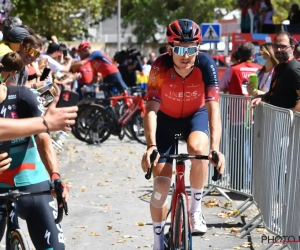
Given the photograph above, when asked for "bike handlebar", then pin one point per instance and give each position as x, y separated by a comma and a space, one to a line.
183, 157
13, 195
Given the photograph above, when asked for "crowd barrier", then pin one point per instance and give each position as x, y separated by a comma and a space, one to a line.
262, 152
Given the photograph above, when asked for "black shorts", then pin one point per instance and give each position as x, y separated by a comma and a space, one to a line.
167, 126
39, 212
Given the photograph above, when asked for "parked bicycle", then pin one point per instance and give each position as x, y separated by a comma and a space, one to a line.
179, 235
15, 238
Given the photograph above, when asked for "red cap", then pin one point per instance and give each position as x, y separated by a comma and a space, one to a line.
84, 45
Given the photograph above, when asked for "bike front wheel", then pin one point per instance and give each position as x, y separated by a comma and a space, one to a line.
18, 241
181, 230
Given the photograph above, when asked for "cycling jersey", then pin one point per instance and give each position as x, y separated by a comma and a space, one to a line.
102, 63
182, 97
86, 72
26, 167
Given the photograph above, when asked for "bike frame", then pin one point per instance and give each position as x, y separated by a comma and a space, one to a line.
179, 187
12, 222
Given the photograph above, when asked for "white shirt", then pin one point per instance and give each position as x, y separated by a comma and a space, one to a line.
53, 64
265, 80
146, 69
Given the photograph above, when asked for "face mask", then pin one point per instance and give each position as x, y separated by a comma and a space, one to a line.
282, 56
260, 60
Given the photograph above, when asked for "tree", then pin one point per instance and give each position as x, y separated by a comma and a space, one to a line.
66, 19
152, 16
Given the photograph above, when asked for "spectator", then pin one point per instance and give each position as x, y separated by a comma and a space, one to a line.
285, 85
294, 14
224, 81
267, 12
245, 18
152, 58
297, 51
9, 23
239, 117
29, 51
11, 63
257, 25
240, 72
143, 76
264, 74
54, 52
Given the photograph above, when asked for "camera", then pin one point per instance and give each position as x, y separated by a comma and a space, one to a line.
129, 55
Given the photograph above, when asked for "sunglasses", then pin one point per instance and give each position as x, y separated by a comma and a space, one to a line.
30, 50
280, 46
181, 50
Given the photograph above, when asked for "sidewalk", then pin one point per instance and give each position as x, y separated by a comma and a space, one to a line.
109, 203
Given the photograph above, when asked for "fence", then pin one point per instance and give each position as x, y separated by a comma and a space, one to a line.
267, 152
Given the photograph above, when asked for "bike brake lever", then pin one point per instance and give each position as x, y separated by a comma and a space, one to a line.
152, 159
217, 176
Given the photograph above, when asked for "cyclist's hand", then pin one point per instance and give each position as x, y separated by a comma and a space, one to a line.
4, 163
66, 189
146, 159
221, 164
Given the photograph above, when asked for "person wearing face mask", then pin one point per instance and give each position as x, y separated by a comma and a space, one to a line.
267, 58
284, 91
182, 97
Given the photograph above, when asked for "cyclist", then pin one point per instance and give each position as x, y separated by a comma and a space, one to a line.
102, 64
33, 160
182, 96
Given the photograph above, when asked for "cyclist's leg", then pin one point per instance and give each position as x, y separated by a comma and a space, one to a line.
40, 213
117, 79
197, 143
162, 175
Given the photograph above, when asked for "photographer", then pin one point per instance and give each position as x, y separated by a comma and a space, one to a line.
129, 64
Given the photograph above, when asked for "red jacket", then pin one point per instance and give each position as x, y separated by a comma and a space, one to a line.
240, 77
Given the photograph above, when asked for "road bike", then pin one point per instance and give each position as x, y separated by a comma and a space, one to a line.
15, 238
179, 235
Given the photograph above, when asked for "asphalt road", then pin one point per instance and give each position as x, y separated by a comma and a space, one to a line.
109, 203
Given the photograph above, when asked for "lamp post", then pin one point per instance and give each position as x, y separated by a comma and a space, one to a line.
119, 25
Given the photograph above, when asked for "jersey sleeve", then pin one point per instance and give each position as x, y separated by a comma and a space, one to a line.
31, 104
154, 84
210, 79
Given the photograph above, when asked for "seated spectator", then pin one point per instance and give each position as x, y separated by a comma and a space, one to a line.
267, 12
294, 14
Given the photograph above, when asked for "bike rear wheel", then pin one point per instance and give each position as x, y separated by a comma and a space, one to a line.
18, 241
137, 127
181, 230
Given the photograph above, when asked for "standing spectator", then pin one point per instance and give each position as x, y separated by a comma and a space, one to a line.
152, 58
285, 85
267, 12
240, 121
245, 18
264, 74
297, 51
294, 14
240, 72
143, 76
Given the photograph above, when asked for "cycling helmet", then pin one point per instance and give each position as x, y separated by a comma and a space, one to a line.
183, 30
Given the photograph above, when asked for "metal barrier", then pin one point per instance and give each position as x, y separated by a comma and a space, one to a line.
291, 215
271, 139
236, 144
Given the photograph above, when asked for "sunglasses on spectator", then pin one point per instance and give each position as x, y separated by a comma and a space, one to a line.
280, 46
179, 50
31, 51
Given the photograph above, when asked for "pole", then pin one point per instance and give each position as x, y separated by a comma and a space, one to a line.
119, 25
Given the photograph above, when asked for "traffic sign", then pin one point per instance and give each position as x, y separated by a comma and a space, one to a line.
211, 32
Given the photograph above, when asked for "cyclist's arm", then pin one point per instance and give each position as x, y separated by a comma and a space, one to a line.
153, 97
150, 122
47, 152
212, 96
32, 106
